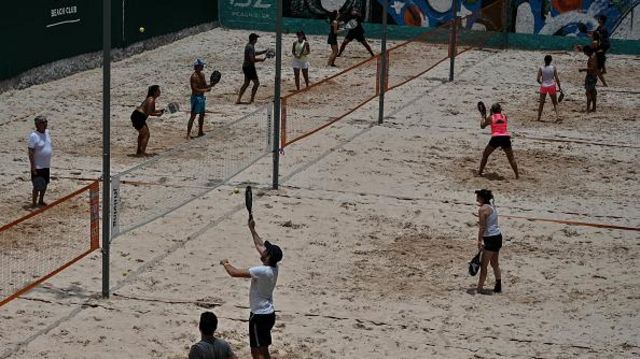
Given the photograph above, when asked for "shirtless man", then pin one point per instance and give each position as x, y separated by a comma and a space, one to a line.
591, 78
198, 100
139, 118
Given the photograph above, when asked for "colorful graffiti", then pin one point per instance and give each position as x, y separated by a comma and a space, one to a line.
547, 17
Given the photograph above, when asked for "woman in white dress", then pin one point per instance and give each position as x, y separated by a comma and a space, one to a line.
300, 51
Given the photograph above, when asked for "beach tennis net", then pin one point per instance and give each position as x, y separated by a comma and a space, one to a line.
39, 245
184, 173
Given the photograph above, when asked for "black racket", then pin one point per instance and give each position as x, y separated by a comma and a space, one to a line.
482, 108
248, 201
215, 78
561, 97
582, 28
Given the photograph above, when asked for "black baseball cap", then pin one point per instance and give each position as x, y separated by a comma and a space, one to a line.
253, 35
273, 251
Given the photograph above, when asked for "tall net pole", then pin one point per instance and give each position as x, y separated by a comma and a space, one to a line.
276, 95
106, 138
383, 62
452, 38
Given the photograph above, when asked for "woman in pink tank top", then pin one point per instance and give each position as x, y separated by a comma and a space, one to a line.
500, 137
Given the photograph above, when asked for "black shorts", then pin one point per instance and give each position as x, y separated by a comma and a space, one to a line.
601, 58
260, 326
501, 141
493, 243
40, 173
333, 39
250, 72
355, 34
138, 119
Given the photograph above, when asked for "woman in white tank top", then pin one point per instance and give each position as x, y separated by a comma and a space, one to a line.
489, 239
548, 78
300, 50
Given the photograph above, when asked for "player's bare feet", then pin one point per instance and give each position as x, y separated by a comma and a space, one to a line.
200, 134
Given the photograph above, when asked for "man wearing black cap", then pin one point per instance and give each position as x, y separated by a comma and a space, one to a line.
263, 281
249, 67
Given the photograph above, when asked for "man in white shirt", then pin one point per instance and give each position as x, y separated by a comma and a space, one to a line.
263, 281
40, 150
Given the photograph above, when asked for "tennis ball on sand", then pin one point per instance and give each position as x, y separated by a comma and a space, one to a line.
141, 29
236, 190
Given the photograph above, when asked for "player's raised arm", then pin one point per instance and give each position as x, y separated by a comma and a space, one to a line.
257, 241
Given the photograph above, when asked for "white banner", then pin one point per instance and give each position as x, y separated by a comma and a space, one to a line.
116, 205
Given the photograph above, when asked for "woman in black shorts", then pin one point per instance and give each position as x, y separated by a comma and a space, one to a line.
500, 137
139, 118
355, 33
333, 37
489, 239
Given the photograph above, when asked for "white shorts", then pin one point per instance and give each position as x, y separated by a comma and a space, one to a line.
297, 64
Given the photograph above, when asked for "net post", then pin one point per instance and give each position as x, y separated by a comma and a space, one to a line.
381, 84
506, 22
276, 97
452, 39
106, 150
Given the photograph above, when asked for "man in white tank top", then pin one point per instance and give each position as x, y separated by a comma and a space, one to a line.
548, 78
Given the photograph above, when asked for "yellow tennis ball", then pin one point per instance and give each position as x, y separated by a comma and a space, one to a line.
141, 29
236, 190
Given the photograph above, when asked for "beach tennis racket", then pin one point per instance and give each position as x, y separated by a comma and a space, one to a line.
173, 107
270, 53
482, 108
215, 78
351, 24
248, 201
561, 97
582, 28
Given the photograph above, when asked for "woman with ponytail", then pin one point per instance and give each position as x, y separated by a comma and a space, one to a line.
489, 239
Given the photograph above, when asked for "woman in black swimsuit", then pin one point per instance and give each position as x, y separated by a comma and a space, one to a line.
139, 118
333, 37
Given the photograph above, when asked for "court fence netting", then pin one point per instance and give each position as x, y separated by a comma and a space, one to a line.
173, 178
337, 96
46, 241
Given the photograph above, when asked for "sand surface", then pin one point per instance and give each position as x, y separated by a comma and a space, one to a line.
375, 221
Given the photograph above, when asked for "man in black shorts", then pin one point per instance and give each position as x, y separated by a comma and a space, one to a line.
263, 282
356, 33
249, 67
40, 150
500, 137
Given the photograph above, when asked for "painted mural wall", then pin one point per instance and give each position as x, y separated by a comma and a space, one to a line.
545, 17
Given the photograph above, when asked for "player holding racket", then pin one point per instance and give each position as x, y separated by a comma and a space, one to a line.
263, 282
139, 118
548, 79
357, 32
500, 136
333, 37
199, 86
300, 50
249, 67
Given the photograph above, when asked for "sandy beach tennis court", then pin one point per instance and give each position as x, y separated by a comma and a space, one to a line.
375, 221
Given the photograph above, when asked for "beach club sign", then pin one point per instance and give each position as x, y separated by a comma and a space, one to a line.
63, 12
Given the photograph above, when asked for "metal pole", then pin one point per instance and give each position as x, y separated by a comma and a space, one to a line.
106, 151
276, 95
452, 40
383, 63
